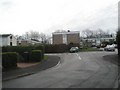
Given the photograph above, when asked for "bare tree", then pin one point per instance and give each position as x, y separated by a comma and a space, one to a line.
43, 37
99, 33
34, 35
31, 35
88, 33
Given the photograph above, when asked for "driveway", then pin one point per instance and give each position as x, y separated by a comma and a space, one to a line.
77, 70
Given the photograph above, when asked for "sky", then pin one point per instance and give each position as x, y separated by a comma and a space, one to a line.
47, 16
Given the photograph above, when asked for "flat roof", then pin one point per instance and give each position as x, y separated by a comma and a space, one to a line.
71, 32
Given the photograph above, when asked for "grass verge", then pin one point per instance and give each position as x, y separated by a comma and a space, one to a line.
88, 49
45, 57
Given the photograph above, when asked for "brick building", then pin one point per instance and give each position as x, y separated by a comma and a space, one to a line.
66, 37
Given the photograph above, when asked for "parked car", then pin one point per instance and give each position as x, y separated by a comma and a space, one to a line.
115, 45
103, 45
74, 49
109, 48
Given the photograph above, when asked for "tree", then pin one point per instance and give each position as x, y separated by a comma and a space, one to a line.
31, 35
43, 38
87, 33
118, 40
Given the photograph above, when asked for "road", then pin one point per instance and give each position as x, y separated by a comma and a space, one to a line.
76, 70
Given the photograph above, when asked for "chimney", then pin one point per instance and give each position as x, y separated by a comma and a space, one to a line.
68, 30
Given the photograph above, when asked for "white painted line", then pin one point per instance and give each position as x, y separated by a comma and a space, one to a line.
78, 56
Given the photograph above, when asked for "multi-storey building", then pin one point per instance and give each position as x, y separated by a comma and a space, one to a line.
66, 37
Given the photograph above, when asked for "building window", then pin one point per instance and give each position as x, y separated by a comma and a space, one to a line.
19, 43
64, 38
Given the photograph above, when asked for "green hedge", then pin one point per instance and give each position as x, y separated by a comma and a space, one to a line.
59, 48
118, 41
23, 57
35, 56
42, 48
9, 60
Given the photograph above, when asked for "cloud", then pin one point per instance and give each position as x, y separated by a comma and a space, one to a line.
19, 16
105, 19
5, 5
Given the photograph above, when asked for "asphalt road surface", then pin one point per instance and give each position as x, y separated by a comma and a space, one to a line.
76, 70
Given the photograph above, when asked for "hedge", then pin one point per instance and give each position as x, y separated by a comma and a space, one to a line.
118, 41
59, 48
9, 60
23, 57
55, 48
35, 56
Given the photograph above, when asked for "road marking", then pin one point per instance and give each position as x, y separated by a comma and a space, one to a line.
78, 56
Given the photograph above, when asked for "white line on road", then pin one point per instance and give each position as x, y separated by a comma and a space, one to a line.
78, 56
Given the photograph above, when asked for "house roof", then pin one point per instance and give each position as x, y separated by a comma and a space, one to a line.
5, 35
70, 32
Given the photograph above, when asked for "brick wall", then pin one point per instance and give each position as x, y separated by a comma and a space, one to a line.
74, 38
57, 39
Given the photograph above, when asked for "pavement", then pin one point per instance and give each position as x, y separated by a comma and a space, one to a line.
115, 60
45, 64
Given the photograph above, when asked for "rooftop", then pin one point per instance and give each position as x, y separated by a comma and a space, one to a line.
69, 32
5, 35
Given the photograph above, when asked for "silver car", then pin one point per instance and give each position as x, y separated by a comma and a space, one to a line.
74, 49
109, 48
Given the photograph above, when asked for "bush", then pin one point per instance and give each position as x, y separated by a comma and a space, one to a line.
118, 41
9, 60
59, 48
105, 42
23, 57
35, 56
56, 48
42, 48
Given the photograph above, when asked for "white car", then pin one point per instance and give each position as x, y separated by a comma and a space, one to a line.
109, 48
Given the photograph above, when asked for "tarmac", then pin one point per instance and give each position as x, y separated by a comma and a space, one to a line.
45, 64
114, 59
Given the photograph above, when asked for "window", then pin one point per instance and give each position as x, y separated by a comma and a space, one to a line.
64, 38
10, 43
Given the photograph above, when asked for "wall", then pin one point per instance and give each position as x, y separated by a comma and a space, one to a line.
5, 41
58, 39
74, 38
14, 41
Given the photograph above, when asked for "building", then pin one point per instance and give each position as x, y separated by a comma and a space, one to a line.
97, 41
66, 37
8, 40
26, 42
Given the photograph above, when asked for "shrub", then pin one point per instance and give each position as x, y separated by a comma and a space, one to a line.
9, 60
105, 42
35, 56
23, 57
118, 41
42, 48
55, 48
59, 48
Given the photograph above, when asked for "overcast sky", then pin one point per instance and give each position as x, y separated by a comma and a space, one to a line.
46, 16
